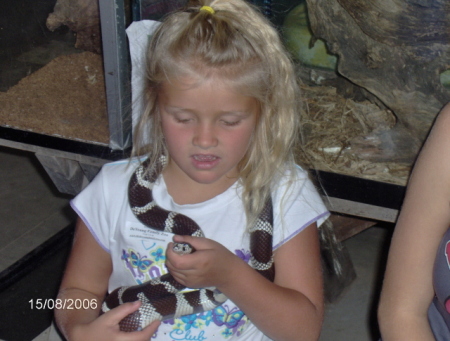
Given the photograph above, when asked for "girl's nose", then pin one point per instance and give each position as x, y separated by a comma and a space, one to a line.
205, 136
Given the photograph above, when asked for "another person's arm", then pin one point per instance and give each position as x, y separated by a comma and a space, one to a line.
424, 218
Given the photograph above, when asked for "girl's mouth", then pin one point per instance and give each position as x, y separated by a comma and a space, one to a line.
205, 161
204, 158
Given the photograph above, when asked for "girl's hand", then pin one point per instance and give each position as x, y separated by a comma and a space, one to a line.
211, 264
106, 327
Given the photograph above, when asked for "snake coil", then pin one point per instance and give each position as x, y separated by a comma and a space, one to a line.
161, 297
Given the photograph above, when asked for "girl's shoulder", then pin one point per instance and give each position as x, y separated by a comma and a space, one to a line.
294, 184
292, 176
120, 168
113, 176
125, 163
297, 202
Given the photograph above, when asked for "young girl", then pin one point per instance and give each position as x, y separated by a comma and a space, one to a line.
415, 300
221, 103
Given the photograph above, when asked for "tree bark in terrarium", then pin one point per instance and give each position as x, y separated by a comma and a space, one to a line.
399, 51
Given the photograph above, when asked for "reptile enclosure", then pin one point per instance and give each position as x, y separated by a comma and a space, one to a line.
374, 76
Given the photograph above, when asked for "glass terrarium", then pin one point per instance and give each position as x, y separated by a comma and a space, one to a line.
51, 70
65, 71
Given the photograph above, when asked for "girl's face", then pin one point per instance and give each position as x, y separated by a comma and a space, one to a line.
207, 127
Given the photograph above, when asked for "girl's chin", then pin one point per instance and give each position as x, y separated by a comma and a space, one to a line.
205, 179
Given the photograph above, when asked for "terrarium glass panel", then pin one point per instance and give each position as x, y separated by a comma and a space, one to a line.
51, 72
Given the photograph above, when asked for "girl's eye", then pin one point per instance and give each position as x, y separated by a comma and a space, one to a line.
231, 123
183, 120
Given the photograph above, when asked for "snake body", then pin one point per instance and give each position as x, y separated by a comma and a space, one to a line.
161, 297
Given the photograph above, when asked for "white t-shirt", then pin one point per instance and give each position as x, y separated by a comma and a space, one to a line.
138, 252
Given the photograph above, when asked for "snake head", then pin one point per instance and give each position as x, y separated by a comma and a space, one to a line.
182, 248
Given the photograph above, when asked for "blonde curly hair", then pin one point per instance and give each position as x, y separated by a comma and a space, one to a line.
237, 44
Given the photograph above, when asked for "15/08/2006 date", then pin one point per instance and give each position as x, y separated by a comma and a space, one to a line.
70, 304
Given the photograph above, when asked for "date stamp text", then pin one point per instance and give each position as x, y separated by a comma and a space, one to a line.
69, 303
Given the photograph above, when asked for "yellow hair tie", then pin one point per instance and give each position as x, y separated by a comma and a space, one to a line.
208, 9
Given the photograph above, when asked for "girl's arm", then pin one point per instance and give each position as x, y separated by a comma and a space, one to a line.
86, 279
424, 218
291, 308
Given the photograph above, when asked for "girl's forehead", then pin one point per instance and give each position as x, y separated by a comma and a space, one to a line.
209, 95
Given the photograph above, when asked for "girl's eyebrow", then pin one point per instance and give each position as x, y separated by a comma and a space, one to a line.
177, 109
236, 113
225, 112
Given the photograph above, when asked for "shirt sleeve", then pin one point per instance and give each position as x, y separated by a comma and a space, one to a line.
91, 207
297, 205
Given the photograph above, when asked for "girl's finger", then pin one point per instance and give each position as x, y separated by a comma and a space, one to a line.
119, 313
